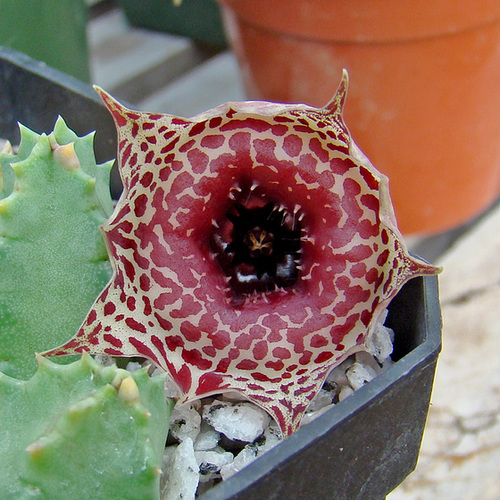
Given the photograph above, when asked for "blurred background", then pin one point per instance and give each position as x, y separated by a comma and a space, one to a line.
423, 100
423, 96
424, 105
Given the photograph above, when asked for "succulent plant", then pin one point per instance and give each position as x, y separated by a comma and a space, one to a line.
53, 260
82, 431
254, 247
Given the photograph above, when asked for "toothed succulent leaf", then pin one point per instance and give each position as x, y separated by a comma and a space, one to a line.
82, 431
53, 260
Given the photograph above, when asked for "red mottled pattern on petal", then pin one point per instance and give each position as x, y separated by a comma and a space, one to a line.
169, 300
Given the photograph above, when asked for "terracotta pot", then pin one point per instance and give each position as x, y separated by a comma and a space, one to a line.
424, 95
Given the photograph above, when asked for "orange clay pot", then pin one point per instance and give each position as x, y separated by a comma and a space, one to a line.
424, 99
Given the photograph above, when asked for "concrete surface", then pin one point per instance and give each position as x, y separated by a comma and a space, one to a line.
460, 456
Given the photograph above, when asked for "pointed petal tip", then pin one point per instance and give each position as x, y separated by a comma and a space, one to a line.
336, 105
117, 109
431, 269
102, 93
66, 349
424, 268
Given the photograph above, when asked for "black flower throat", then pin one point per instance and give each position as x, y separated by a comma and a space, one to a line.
261, 252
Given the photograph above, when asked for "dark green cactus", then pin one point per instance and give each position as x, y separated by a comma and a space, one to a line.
82, 431
53, 261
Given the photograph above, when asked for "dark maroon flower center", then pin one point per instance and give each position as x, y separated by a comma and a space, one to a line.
258, 246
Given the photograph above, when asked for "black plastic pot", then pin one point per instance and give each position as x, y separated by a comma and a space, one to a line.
362, 448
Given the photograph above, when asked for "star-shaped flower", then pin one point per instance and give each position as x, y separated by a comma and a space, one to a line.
254, 248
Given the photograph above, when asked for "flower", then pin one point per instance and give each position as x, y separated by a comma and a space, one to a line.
254, 248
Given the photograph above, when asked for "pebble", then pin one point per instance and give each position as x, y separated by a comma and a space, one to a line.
345, 392
242, 421
181, 477
211, 461
337, 376
185, 422
207, 439
270, 438
380, 343
104, 360
359, 374
132, 366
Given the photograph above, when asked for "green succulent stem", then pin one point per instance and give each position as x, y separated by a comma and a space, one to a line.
82, 431
53, 261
